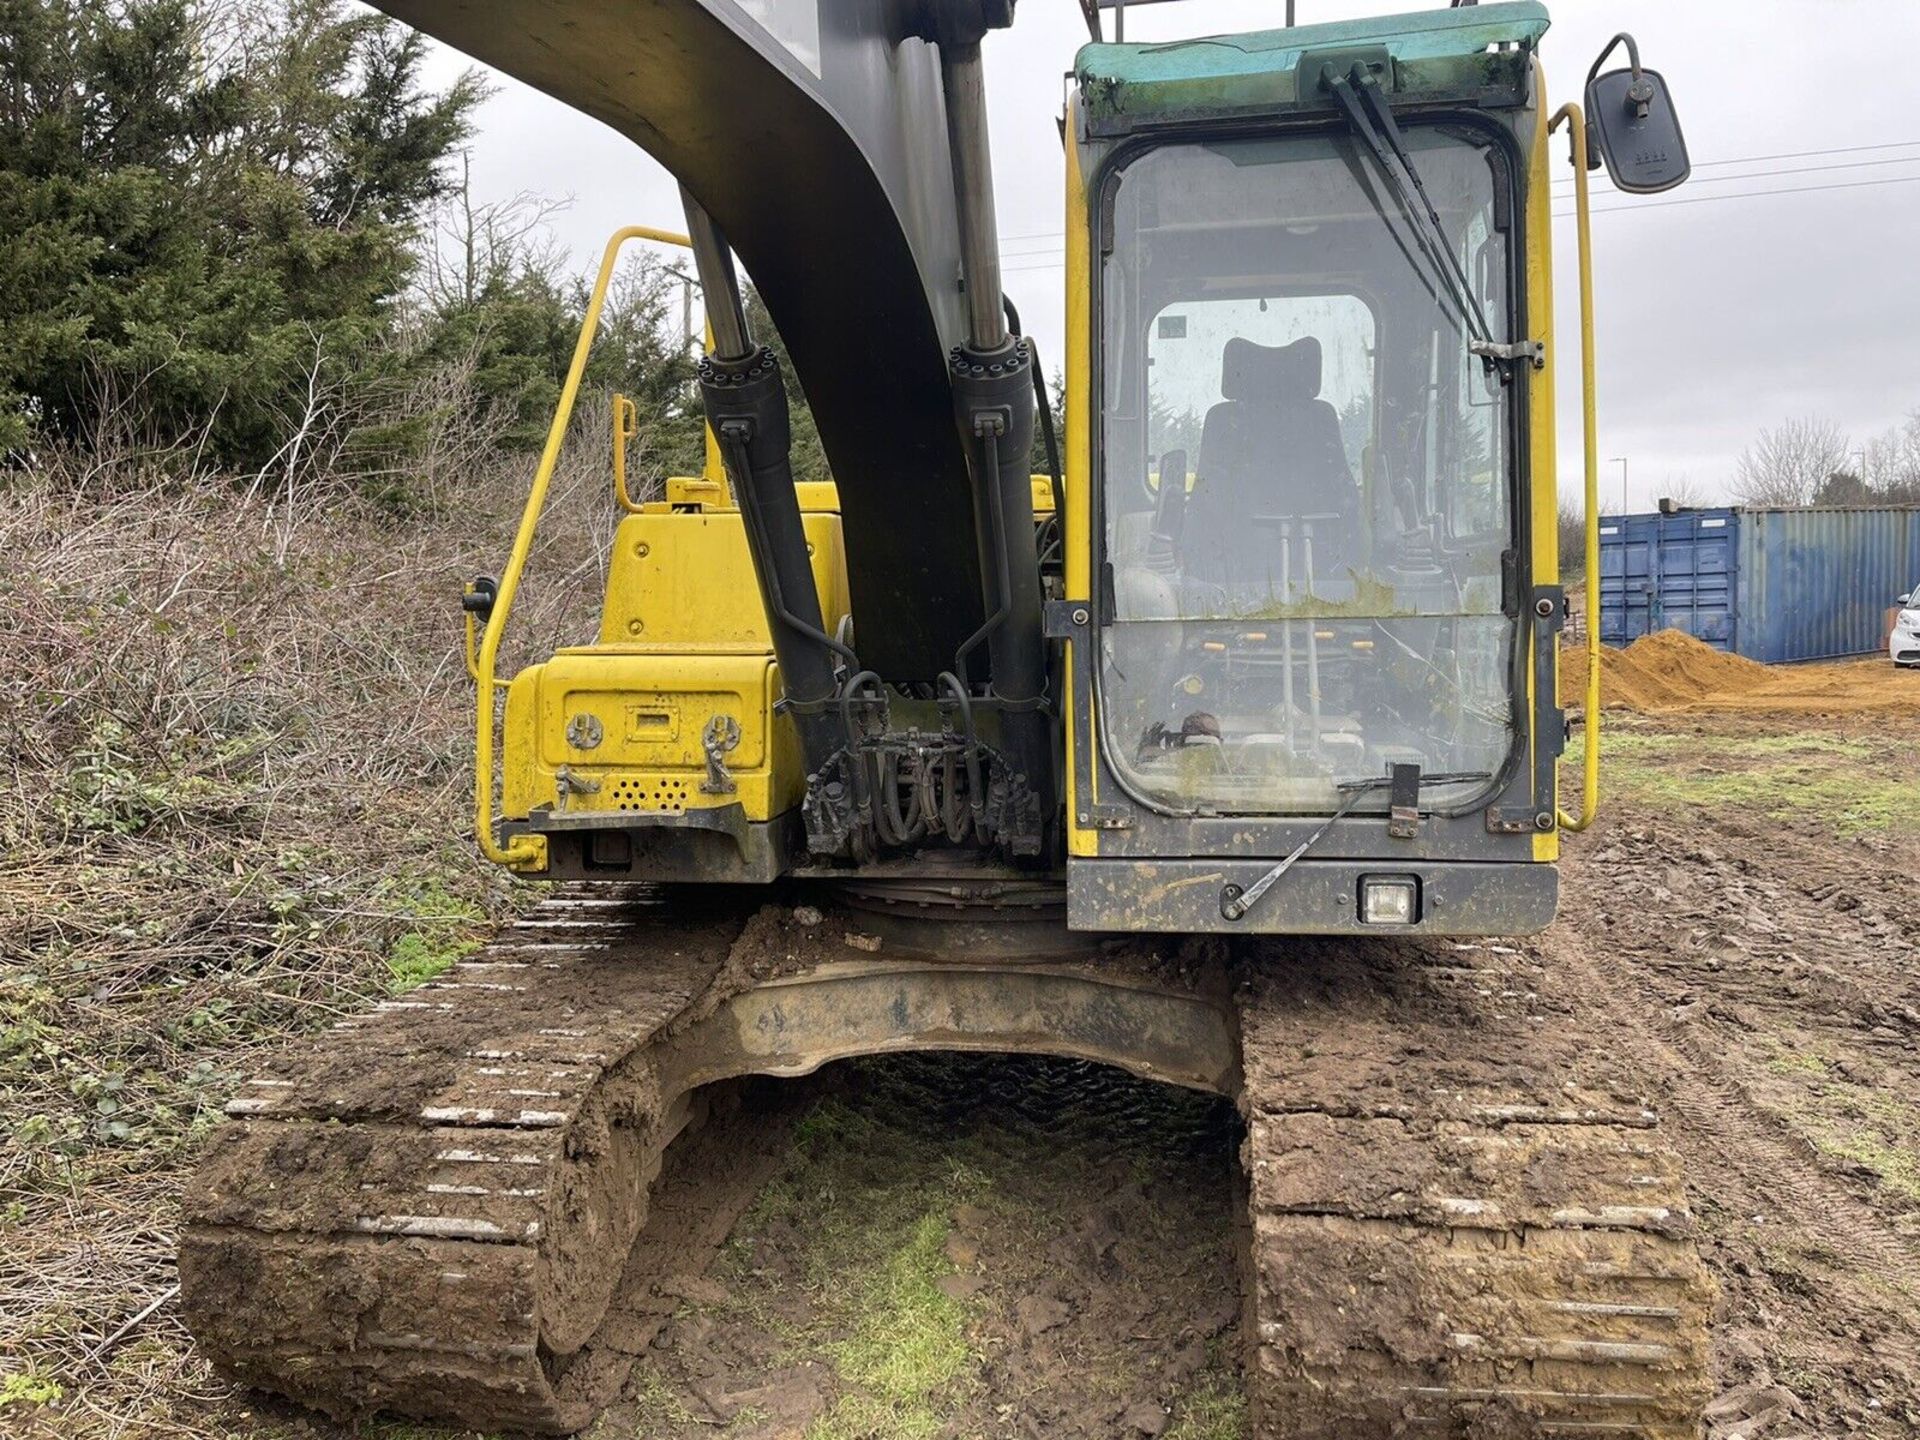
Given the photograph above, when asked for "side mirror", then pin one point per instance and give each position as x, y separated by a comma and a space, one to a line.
1903, 600
1631, 125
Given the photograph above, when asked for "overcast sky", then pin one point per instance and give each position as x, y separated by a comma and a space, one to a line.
1715, 318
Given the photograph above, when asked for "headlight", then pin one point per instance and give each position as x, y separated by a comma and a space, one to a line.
1910, 620
1389, 900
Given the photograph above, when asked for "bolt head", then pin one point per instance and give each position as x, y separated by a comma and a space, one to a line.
1080, 616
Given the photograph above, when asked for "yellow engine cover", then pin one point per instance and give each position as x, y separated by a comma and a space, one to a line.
620, 727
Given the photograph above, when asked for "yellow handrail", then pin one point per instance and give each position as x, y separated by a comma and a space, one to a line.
1590, 432
529, 852
626, 424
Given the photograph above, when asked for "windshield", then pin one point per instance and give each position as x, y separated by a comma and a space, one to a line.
1305, 480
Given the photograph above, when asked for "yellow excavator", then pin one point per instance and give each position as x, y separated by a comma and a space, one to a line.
1222, 752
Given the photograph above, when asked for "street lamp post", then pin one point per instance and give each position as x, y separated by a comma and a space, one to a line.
1621, 461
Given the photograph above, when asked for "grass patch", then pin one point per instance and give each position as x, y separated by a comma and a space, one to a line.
908, 1347
447, 928
1850, 783
1798, 1062
1871, 1130
657, 1400
25, 1388
1215, 1409
879, 1202
1864, 1125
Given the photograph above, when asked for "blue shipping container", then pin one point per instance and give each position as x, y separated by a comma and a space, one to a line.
1770, 584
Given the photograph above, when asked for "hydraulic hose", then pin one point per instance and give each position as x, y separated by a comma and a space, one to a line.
1043, 407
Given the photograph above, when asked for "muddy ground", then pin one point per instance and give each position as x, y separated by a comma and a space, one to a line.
1739, 933
968, 1246
962, 1247
1742, 928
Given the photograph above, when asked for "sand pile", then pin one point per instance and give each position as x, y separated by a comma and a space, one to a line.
1670, 670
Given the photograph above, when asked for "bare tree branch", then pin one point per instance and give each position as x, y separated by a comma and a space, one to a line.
1789, 463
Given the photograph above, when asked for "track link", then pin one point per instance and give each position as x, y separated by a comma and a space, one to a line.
432, 1209
1462, 1221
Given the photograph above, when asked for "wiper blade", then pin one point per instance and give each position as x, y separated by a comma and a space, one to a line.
1235, 902
1359, 95
1382, 782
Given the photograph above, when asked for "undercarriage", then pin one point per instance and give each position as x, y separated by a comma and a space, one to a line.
1458, 1221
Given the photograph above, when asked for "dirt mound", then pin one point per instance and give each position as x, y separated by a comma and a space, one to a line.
1670, 671
1667, 670
1674, 660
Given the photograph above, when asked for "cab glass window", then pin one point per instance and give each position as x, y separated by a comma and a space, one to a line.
1306, 484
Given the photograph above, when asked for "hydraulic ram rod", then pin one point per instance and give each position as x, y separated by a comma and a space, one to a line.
746, 401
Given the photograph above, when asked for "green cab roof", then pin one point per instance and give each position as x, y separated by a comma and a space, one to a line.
1476, 51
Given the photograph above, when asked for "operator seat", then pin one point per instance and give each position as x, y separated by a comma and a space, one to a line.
1270, 450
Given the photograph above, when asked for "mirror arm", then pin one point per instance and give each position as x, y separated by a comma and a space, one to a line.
1633, 56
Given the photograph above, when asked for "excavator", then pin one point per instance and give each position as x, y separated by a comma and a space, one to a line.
1224, 752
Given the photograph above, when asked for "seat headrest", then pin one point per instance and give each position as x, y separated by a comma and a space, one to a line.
1271, 372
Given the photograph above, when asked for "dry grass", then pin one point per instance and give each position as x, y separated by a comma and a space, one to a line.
237, 737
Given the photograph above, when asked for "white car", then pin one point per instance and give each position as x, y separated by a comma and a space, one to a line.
1903, 645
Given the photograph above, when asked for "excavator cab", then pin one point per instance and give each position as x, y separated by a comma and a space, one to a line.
1323, 278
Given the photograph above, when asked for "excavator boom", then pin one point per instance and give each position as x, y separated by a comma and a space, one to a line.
812, 137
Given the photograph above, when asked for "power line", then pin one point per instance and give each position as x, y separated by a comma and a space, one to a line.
1808, 154
1794, 170
1792, 155
1744, 195
1055, 238
1044, 261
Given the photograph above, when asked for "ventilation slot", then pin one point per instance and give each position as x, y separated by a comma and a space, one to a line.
660, 794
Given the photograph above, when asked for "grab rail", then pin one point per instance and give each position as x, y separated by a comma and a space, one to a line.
529, 852
1589, 423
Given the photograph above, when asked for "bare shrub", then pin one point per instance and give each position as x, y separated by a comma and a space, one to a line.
1685, 492
239, 757
1573, 537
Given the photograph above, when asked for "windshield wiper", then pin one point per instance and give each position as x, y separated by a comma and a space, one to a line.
1235, 902
1383, 782
1359, 96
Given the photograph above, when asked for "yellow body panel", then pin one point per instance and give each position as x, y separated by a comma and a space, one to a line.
681, 581
1078, 460
683, 639
1544, 516
646, 712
